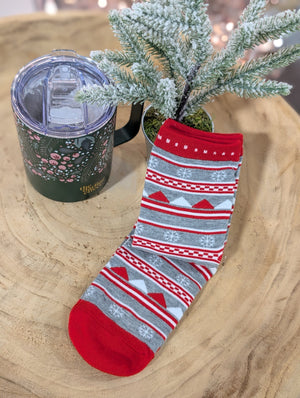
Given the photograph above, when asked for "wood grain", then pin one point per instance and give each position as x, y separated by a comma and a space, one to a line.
241, 336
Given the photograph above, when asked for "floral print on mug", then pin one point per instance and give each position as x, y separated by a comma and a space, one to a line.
66, 160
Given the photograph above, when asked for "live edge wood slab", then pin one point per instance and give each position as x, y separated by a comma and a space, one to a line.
240, 338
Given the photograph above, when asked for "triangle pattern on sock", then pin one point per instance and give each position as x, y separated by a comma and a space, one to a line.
181, 202
121, 271
176, 311
159, 196
159, 297
203, 204
227, 204
140, 284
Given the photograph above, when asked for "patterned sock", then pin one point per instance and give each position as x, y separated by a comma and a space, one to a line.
188, 201
128, 311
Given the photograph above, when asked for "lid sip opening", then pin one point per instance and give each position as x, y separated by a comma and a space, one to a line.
43, 95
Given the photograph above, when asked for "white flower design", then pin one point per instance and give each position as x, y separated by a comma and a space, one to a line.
146, 332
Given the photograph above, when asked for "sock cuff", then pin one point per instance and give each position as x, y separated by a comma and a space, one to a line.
188, 142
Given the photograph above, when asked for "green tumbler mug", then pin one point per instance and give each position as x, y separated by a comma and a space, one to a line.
66, 145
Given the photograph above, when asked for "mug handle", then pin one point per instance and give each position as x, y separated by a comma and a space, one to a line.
132, 127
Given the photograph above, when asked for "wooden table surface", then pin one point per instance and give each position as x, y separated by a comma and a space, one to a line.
240, 338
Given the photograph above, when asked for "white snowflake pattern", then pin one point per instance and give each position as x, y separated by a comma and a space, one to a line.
182, 280
171, 236
218, 175
146, 332
184, 173
153, 162
89, 293
116, 311
155, 260
139, 228
207, 241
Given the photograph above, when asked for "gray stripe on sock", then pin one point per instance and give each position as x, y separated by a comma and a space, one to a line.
195, 162
174, 236
191, 174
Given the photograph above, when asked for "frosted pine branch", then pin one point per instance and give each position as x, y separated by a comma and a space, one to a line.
115, 73
166, 101
264, 65
166, 19
199, 29
254, 88
200, 98
247, 87
254, 10
132, 93
214, 68
120, 58
243, 81
113, 95
245, 37
167, 57
163, 37
126, 35
251, 34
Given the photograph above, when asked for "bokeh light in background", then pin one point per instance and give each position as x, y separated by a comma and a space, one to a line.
49, 5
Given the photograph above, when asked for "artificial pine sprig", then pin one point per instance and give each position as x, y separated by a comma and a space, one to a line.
251, 34
247, 36
161, 34
255, 9
263, 65
120, 58
167, 57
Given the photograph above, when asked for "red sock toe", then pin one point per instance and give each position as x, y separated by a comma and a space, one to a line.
104, 344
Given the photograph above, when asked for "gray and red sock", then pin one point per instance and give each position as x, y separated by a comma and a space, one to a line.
138, 298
